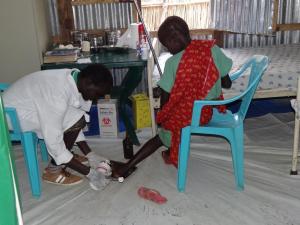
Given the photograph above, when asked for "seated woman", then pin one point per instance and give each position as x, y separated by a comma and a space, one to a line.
197, 70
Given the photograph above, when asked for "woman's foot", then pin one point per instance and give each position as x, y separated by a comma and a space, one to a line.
166, 157
120, 169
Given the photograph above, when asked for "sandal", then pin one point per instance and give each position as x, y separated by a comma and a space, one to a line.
152, 195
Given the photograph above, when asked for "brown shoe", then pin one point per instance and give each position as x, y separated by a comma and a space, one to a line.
61, 178
81, 158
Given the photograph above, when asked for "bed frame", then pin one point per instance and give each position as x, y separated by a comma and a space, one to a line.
218, 34
280, 79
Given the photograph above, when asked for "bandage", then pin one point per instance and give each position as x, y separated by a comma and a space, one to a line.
104, 168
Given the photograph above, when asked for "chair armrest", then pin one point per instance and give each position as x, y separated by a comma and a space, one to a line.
199, 104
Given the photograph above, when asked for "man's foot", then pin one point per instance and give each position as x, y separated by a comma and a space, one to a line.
81, 158
97, 180
61, 178
120, 169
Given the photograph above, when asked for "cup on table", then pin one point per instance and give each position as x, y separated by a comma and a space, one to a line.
85, 46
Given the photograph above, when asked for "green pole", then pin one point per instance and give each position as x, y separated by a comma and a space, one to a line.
10, 212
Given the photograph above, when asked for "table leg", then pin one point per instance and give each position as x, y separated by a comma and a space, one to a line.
129, 83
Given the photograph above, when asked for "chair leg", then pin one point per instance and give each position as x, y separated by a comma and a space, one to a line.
296, 136
295, 146
44, 151
184, 151
237, 151
29, 142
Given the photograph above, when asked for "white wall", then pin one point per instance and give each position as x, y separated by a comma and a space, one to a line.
24, 35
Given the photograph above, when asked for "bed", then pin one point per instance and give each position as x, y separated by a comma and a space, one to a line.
280, 79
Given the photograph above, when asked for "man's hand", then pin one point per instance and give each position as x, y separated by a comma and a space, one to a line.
97, 180
95, 160
164, 98
226, 82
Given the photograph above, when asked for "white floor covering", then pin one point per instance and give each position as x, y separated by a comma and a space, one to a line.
271, 195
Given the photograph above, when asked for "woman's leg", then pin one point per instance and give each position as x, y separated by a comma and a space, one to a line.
119, 169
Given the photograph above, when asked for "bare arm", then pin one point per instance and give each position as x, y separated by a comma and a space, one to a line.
226, 82
164, 98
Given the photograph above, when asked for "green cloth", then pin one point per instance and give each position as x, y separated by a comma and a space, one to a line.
8, 181
75, 74
223, 64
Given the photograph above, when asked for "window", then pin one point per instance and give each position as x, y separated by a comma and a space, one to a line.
194, 12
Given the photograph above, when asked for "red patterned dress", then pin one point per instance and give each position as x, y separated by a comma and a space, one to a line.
196, 75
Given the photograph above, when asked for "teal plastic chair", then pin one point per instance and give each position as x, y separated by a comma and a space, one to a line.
229, 125
29, 141
10, 205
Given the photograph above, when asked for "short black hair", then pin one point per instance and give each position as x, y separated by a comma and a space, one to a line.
98, 74
171, 27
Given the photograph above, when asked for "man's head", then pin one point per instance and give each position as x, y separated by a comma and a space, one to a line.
174, 34
94, 81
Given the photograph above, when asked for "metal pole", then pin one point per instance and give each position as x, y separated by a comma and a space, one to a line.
148, 37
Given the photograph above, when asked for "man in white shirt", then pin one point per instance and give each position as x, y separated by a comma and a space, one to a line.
53, 103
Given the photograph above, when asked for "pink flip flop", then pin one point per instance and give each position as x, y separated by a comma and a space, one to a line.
152, 195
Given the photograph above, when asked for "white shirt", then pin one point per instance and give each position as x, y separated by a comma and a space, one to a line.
48, 103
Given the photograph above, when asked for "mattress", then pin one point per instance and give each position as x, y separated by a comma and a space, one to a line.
280, 79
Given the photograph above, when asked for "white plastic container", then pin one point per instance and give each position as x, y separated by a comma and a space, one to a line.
144, 51
108, 117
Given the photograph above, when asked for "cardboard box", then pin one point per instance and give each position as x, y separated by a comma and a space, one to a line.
92, 127
108, 117
141, 111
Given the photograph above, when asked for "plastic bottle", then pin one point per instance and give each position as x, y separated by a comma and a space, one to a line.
144, 51
143, 48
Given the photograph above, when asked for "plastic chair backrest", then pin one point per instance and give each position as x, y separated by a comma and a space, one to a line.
15, 133
257, 64
3, 86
